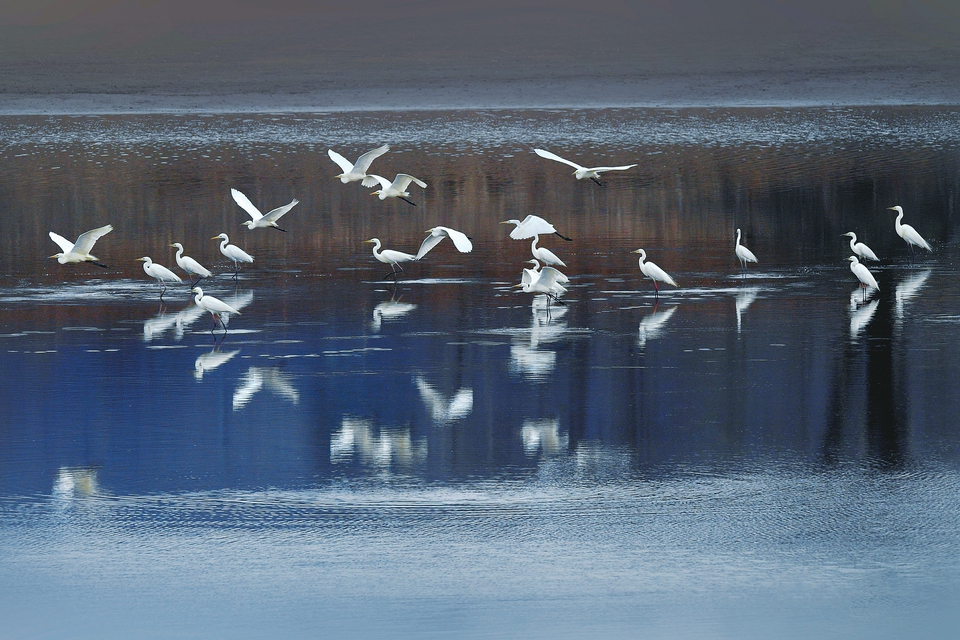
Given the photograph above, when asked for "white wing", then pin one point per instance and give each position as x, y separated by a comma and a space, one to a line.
428, 243
623, 168
65, 245
403, 180
529, 277
460, 240
384, 183
532, 226
549, 278
86, 240
277, 213
369, 182
553, 156
246, 205
340, 160
364, 161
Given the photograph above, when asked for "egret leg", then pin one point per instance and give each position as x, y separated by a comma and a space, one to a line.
656, 289
597, 181
279, 229
410, 201
100, 264
562, 236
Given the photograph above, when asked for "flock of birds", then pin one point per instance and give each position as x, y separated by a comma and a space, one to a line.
543, 277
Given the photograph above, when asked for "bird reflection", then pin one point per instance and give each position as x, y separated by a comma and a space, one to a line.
238, 301
445, 410
529, 359
375, 447
907, 289
860, 296
210, 361
652, 325
745, 298
543, 436
162, 322
860, 318
76, 482
256, 378
390, 310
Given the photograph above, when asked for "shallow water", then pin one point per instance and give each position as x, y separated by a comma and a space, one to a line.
769, 453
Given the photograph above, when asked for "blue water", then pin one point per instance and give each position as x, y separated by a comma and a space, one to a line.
749, 455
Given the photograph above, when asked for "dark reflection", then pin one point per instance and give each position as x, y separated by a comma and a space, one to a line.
887, 399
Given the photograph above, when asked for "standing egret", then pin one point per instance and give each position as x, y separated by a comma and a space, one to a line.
531, 276
546, 283
859, 249
654, 272
908, 233
390, 257
260, 220
79, 251
358, 170
544, 255
531, 226
233, 252
744, 255
160, 272
863, 275
582, 172
459, 239
397, 188
215, 306
191, 266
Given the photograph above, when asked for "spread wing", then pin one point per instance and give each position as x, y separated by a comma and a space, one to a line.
529, 277
403, 180
549, 277
460, 240
623, 168
340, 160
246, 205
86, 240
364, 161
277, 213
553, 156
65, 245
428, 243
532, 226
384, 183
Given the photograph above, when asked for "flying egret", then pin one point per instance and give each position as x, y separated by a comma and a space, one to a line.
358, 170
260, 220
191, 266
859, 249
390, 257
531, 226
744, 255
546, 283
160, 272
215, 306
233, 252
543, 254
459, 239
562, 279
908, 233
397, 188
863, 275
654, 272
79, 251
582, 172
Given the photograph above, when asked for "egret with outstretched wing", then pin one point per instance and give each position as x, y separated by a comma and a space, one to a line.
79, 251
459, 239
358, 170
532, 226
582, 172
397, 188
260, 220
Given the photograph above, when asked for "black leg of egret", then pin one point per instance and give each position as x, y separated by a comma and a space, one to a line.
562, 237
597, 181
410, 201
100, 264
279, 229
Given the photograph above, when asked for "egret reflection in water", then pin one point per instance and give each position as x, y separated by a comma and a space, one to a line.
745, 298
155, 327
443, 409
543, 436
907, 289
381, 448
391, 309
209, 361
860, 318
271, 378
528, 357
651, 326
75, 482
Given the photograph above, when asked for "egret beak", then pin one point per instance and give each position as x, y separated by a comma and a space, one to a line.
505, 222
56, 255
171, 245
140, 260
891, 208
637, 251
516, 286
368, 242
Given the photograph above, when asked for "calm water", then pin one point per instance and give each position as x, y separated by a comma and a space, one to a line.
760, 455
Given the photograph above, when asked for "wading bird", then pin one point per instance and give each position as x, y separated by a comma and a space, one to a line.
859, 249
908, 233
160, 272
863, 275
358, 170
260, 220
654, 272
390, 257
397, 188
582, 172
459, 239
543, 254
79, 251
744, 255
233, 252
532, 226
191, 266
215, 306
562, 279
545, 282
531, 276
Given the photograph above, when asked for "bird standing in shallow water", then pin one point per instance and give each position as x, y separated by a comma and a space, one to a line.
191, 266
233, 252
654, 272
863, 275
215, 306
862, 251
744, 255
160, 272
908, 233
390, 257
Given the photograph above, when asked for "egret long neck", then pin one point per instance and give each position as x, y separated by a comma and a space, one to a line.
533, 245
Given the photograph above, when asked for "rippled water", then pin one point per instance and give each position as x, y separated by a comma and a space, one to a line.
761, 454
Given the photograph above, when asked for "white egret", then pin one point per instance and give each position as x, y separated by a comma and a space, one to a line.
744, 255
546, 283
908, 233
215, 306
390, 257
160, 272
863, 275
191, 266
358, 170
531, 226
582, 172
259, 220
654, 272
531, 276
862, 251
543, 254
397, 188
79, 251
233, 252
459, 239
562, 279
